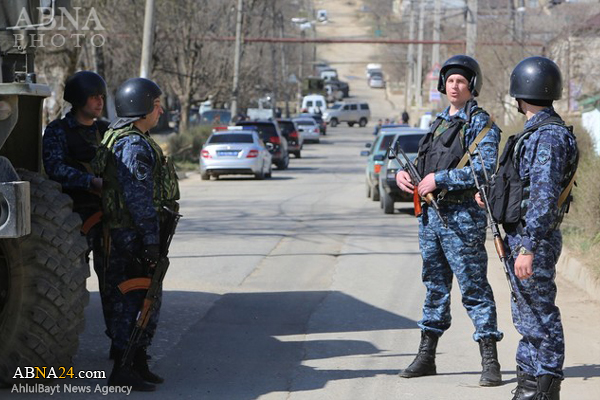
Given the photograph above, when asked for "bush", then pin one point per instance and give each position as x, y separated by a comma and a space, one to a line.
184, 148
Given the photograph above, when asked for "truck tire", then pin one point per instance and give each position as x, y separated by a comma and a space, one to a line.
363, 122
42, 284
333, 122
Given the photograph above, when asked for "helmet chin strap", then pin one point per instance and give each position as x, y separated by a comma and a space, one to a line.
519, 108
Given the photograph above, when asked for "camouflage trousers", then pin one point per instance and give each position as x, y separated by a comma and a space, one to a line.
536, 317
123, 308
456, 250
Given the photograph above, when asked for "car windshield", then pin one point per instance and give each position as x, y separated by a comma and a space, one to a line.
265, 130
231, 138
216, 116
385, 143
409, 143
304, 122
287, 127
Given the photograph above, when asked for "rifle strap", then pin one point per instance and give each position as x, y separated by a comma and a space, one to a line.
463, 161
565, 193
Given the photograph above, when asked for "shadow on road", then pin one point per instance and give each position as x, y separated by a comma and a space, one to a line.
250, 344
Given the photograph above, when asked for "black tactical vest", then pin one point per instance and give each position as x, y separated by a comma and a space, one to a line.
509, 193
81, 149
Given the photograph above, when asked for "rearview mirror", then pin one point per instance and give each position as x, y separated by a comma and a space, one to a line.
378, 157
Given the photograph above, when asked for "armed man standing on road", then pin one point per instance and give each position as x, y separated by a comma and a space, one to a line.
138, 182
530, 195
69, 145
457, 248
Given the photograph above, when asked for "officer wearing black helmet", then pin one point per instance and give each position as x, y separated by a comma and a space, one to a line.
456, 249
529, 196
138, 182
69, 145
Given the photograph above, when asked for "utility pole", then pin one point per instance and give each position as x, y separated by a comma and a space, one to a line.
435, 50
520, 24
419, 88
236, 58
471, 27
300, 70
275, 93
410, 59
284, 74
148, 38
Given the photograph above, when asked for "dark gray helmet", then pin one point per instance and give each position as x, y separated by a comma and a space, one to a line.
82, 85
465, 62
135, 97
536, 78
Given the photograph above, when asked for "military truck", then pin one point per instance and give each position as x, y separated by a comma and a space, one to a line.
42, 253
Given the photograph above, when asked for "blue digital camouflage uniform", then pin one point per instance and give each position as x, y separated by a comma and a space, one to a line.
68, 148
545, 157
459, 249
135, 160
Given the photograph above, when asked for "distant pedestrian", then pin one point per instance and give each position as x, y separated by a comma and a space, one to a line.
405, 117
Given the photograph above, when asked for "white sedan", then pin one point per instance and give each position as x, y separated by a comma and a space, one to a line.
235, 152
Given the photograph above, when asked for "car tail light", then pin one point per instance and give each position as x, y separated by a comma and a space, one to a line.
252, 154
316, 130
294, 134
205, 154
275, 140
219, 128
377, 168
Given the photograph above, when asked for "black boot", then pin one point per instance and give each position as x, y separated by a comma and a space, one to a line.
124, 375
140, 365
526, 386
490, 376
424, 363
548, 387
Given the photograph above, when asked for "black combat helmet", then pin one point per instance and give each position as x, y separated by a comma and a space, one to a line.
135, 97
536, 78
83, 85
466, 63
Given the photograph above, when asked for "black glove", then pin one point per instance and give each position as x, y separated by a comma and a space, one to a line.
150, 255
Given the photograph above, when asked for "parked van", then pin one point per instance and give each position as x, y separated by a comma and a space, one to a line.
314, 103
351, 113
329, 74
373, 68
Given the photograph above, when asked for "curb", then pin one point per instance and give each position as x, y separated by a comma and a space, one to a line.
575, 272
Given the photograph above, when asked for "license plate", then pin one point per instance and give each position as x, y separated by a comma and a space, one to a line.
227, 153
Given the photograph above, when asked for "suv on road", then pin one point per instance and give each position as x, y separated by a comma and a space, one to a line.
351, 113
277, 144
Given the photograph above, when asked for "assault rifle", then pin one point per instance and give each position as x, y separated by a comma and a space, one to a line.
416, 179
498, 242
152, 283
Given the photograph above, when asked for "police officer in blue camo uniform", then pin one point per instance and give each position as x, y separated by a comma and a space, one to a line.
69, 145
136, 186
457, 249
530, 196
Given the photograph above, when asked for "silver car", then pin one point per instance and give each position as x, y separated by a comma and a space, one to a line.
235, 151
309, 129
